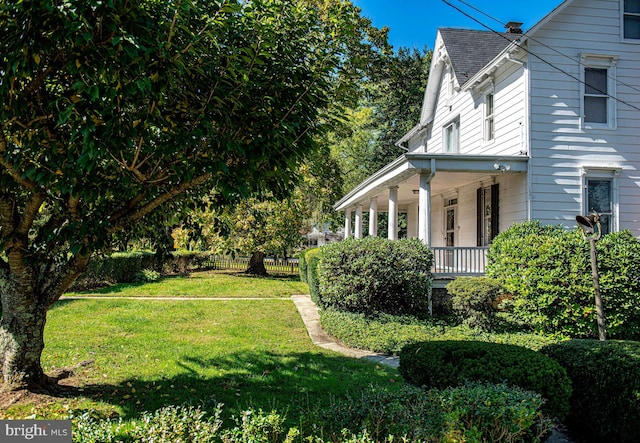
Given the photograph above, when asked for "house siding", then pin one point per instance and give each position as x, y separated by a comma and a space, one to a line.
560, 146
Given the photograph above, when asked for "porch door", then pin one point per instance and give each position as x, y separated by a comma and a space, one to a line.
450, 230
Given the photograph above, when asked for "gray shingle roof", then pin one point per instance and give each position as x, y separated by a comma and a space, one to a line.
471, 50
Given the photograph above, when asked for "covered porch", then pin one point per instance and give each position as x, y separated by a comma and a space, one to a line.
454, 203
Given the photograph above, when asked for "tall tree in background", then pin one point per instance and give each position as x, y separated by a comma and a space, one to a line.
390, 106
111, 109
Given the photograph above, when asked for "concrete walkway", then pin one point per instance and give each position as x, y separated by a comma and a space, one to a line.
311, 318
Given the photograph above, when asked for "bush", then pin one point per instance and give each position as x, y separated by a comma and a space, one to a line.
166, 425
375, 275
439, 364
302, 265
473, 300
147, 276
472, 413
312, 258
605, 404
547, 271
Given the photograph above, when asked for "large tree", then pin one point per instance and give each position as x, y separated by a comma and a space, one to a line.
111, 109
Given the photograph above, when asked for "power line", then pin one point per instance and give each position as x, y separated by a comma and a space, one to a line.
579, 80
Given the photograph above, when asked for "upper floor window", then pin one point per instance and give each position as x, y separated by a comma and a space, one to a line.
451, 85
598, 89
452, 137
596, 96
631, 19
489, 127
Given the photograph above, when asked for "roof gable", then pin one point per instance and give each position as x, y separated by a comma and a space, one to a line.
469, 50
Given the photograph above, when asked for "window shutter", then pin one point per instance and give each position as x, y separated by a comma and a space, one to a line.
495, 213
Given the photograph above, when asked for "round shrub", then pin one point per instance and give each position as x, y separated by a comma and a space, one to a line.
473, 300
438, 364
605, 403
547, 271
375, 275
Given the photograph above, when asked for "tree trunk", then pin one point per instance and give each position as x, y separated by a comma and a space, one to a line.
256, 264
21, 343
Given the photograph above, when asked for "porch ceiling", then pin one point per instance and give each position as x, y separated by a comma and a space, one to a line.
450, 172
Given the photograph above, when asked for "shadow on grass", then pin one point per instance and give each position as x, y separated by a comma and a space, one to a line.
286, 383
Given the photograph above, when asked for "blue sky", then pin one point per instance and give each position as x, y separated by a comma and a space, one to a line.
414, 23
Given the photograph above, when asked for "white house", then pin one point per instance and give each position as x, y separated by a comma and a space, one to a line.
543, 125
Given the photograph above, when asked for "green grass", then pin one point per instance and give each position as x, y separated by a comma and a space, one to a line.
207, 284
152, 353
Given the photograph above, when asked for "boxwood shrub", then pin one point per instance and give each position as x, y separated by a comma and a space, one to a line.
475, 412
439, 364
605, 404
547, 270
312, 257
473, 300
375, 275
302, 264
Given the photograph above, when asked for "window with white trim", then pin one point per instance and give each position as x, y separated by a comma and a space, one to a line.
631, 19
451, 85
451, 136
489, 123
598, 91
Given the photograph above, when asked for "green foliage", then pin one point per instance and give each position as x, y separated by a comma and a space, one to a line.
375, 275
312, 258
259, 427
450, 363
130, 267
389, 334
169, 424
473, 413
547, 271
605, 404
473, 300
147, 276
302, 264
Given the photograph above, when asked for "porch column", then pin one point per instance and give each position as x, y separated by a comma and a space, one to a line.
424, 209
347, 223
358, 227
393, 213
373, 217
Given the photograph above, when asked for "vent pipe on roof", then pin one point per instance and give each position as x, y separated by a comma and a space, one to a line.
514, 27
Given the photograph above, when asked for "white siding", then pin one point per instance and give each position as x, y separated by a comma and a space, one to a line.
560, 147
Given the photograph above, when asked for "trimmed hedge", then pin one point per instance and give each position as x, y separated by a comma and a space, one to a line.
302, 264
475, 412
605, 404
126, 267
312, 257
375, 275
438, 364
547, 270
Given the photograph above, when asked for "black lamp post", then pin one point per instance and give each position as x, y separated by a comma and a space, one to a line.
592, 231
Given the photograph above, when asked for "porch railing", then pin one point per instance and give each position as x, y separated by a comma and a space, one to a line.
454, 261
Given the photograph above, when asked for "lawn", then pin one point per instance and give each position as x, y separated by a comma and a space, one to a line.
146, 354
207, 284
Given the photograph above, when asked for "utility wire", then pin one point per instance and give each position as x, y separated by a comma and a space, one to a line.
579, 80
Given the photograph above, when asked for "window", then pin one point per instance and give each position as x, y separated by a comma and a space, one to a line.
450, 82
452, 137
595, 95
598, 89
631, 19
489, 131
487, 214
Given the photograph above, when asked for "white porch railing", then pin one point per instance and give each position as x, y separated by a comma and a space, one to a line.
454, 261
